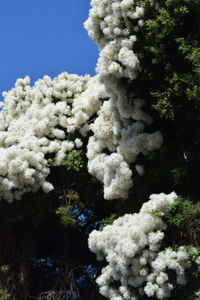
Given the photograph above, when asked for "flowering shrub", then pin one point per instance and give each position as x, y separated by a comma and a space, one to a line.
36, 126
120, 126
36, 123
137, 264
148, 69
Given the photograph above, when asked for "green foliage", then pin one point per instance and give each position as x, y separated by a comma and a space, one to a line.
71, 195
4, 295
109, 220
194, 253
178, 173
118, 137
168, 48
74, 160
66, 218
163, 106
51, 162
157, 214
184, 215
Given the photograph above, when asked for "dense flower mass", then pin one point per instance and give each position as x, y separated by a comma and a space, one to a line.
36, 121
113, 25
136, 265
147, 70
121, 122
34, 126
125, 142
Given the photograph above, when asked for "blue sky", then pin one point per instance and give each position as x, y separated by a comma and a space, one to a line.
44, 37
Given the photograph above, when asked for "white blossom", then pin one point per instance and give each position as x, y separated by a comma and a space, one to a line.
35, 122
121, 122
131, 247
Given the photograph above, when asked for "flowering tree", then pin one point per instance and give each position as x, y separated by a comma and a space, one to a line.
69, 144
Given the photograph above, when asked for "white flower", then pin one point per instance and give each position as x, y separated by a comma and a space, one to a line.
132, 261
34, 124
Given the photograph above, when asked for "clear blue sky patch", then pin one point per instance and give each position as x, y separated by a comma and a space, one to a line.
44, 38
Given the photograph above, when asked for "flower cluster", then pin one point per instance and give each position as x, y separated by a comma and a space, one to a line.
113, 25
121, 122
36, 121
131, 247
124, 143
35, 124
